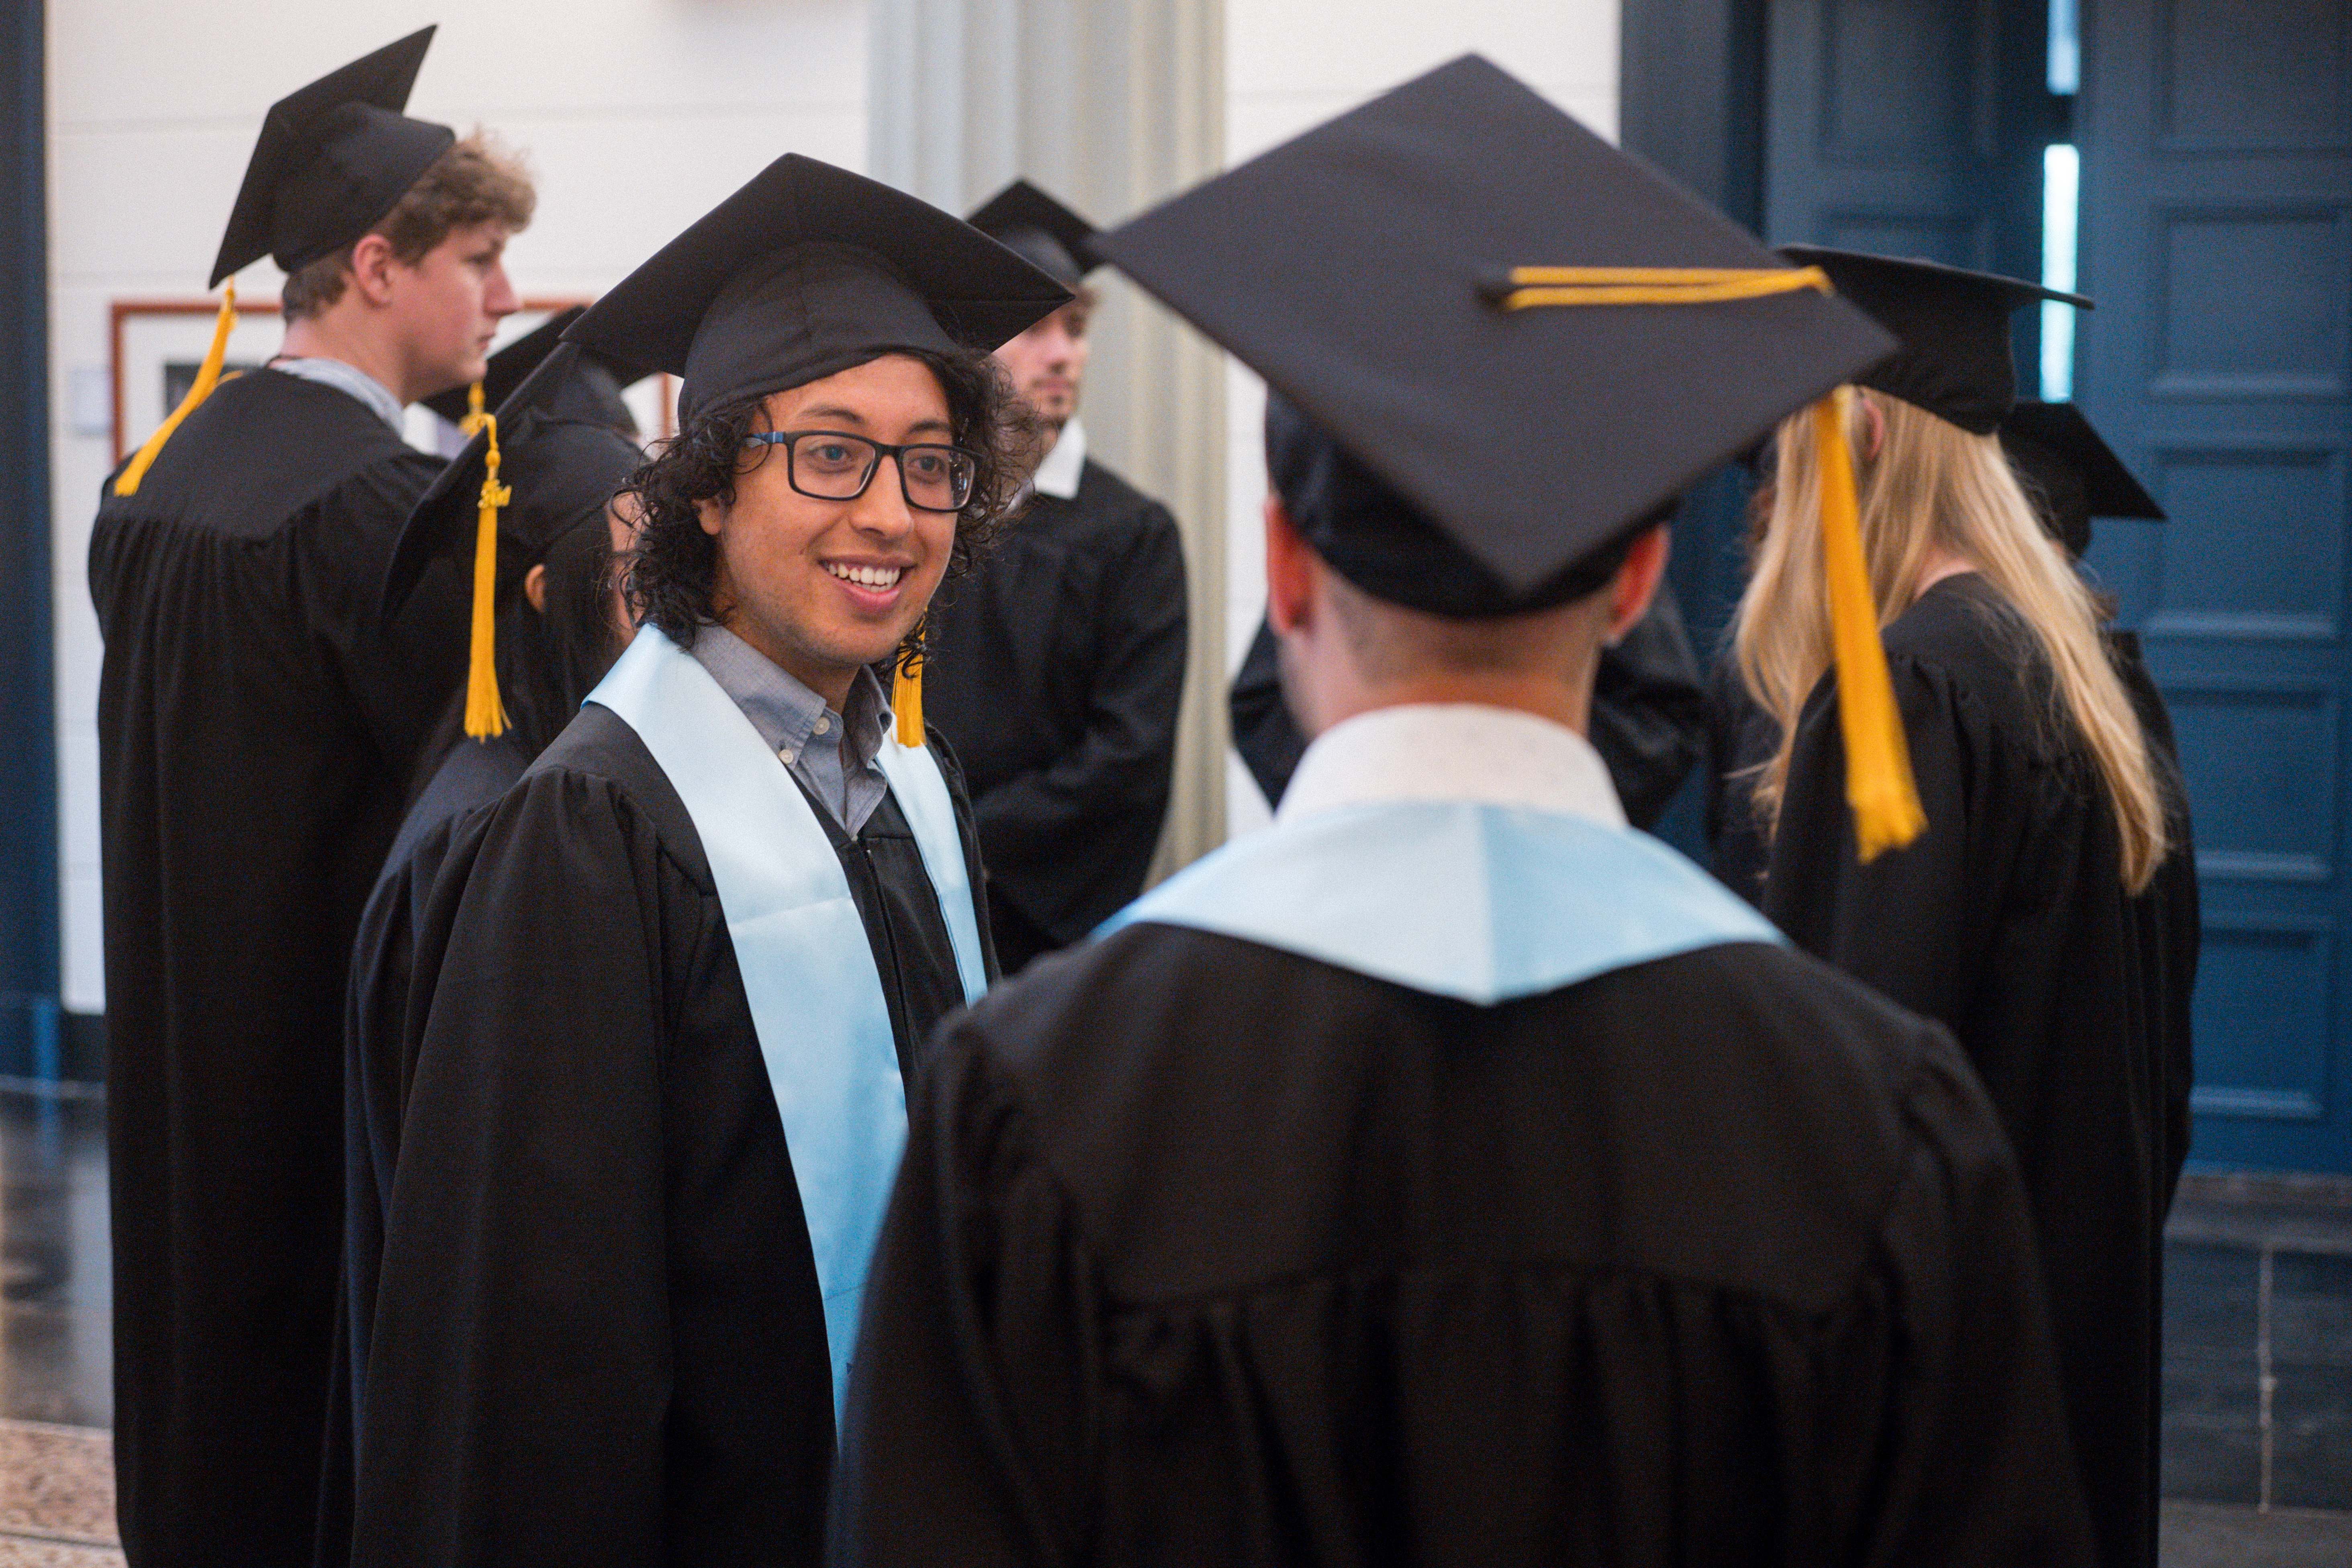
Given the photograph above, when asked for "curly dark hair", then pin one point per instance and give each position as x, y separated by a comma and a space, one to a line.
671, 571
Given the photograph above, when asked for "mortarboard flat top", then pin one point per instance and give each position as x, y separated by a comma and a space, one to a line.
1955, 362
591, 392
805, 271
562, 471
1026, 220
1351, 269
332, 159
2076, 474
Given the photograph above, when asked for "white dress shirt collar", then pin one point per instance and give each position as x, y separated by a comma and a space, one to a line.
349, 378
1057, 475
1451, 751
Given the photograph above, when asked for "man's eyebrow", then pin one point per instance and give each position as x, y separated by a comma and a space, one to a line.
831, 411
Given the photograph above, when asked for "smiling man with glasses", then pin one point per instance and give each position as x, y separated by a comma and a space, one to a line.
681, 971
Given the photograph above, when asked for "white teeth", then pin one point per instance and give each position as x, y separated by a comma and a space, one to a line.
868, 576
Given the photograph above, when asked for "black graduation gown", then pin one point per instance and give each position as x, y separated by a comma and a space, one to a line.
257, 725
2007, 922
1740, 736
1057, 668
1206, 1253
596, 1336
1649, 714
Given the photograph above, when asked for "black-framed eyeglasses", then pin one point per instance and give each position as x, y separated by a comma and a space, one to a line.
832, 465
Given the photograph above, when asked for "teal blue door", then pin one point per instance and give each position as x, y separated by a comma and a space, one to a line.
2216, 140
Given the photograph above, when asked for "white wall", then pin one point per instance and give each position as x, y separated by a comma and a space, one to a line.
638, 116
1290, 64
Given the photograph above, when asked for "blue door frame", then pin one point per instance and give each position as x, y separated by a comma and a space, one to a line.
29, 1018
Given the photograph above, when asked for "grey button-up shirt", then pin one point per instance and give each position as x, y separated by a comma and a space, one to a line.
832, 753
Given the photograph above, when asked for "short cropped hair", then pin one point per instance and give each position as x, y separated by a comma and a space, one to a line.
675, 565
476, 180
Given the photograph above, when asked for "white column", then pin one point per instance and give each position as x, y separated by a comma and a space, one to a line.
1111, 105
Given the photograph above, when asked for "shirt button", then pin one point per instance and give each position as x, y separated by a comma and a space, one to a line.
823, 723
787, 753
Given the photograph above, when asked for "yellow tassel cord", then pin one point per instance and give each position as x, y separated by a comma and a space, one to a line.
207, 377
1534, 286
485, 715
1878, 782
475, 417
907, 699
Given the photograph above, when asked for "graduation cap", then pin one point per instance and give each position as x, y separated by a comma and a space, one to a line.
805, 271
591, 390
1955, 360
332, 159
1026, 220
530, 474
2073, 474
1503, 346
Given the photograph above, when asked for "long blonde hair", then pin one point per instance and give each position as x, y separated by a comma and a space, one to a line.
1930, 484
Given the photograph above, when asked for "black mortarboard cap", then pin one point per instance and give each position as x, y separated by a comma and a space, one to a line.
590, 391
562, 472
1955, 360
1026, 220
2071, 473
1356, 269
332, 159
805, 271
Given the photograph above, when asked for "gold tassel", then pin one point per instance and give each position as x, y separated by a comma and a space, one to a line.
1878, 782
207, 377
906, 698
475, 417
485, 715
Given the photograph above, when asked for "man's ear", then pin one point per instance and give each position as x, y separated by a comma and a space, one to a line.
712, 516
534, 586
371, 268
1637, 582
1874, 426
1290, 569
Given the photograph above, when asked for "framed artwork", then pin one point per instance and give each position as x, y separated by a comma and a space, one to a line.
159, 344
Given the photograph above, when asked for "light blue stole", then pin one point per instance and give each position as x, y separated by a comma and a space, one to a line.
809, 972
1456, 899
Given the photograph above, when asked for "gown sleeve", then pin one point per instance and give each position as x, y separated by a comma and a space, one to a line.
1649, 712
1902, 924
1970, 1464
1117, 777
522, 1360
971, 1425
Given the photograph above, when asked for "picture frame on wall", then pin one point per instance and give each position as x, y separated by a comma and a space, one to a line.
158, 345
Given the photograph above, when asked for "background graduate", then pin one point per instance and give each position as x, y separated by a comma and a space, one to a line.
258, 722
679, 971
2032, 916
558, 624
1058, 666
1452, 1175
1648, 719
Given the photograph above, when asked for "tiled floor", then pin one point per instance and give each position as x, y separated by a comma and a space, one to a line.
2258, 1373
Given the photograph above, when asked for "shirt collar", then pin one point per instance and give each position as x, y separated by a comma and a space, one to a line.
352, 379
1057, 475
1451, 751
783, 710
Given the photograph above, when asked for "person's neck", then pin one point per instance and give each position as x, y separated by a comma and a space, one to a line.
1568, 702
1939, 564
831, 682
338, 337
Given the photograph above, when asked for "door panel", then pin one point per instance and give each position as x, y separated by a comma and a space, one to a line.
2217, 238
